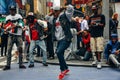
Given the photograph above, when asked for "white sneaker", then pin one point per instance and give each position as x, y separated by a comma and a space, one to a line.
99, 66
94, 62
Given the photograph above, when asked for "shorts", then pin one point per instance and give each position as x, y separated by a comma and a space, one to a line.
97, 44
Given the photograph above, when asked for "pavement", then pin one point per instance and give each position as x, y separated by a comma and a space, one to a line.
40, 72
71, 60
79, 70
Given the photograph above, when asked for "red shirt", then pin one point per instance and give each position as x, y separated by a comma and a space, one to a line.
34, 32
86, 42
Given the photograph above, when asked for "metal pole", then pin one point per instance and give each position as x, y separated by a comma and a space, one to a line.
105, 11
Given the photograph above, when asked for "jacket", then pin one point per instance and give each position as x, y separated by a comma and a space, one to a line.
66, 25
39, 26
110, 48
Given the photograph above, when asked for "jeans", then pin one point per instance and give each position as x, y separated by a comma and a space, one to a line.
87, 56
4, 42
114, 60
19, 42
50, 47
33, 44
26, 49
61, 47
79, 39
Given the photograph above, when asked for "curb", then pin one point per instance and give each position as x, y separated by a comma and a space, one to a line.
70, 64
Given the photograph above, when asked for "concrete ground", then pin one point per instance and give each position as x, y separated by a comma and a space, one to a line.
79, 70
39, 72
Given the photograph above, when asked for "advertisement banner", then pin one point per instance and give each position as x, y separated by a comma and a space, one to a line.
4, 5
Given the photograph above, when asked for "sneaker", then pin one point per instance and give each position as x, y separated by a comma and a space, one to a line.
66, 71
31, 66
45, 64
22, 67
6, 68
99, 66
61, 76
94, 62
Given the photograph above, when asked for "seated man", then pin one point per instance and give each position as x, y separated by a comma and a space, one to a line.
112, 51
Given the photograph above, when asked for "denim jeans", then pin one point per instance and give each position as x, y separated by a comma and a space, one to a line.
50, 47
19, 42
33, 44
61, 47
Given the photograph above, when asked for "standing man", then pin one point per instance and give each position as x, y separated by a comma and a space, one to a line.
36, 31
49, 39
97, 24
64, 37
15, 28
62, 23
4, 37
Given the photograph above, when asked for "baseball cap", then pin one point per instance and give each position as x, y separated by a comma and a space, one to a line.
30, 15
12, 7
114, 35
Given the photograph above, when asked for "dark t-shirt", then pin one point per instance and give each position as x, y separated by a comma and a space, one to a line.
96, 30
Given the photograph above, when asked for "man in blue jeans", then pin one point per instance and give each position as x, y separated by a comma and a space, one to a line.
64, 37
61, 32
36, 31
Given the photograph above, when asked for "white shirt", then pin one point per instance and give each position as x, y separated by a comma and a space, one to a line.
84, 25
15, 17
59, 33
12, 18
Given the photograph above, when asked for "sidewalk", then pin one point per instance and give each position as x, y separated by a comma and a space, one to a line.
71, 62
3, 59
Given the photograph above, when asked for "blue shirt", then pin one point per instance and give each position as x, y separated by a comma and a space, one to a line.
111, 48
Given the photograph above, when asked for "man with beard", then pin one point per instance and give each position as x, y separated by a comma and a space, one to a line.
97, 24
14, 25
36, 32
